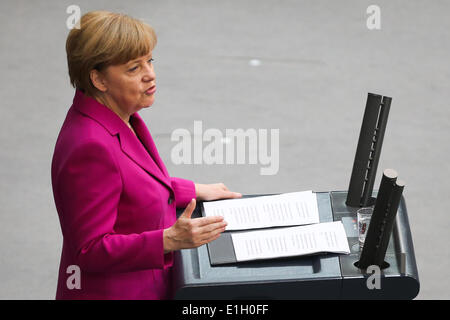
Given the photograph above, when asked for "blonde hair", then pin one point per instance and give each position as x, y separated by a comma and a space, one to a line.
105, 39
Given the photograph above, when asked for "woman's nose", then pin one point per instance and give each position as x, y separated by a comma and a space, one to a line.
149, 73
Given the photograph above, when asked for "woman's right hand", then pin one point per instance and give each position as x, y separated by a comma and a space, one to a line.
188, 233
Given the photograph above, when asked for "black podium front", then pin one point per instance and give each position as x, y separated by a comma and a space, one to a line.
324, 276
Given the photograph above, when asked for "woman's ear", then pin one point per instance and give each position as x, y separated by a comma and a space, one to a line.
98, 80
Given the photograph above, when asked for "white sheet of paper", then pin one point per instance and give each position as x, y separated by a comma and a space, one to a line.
288, 209
291, 241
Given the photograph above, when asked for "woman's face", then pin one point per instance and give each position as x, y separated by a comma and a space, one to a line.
130, 86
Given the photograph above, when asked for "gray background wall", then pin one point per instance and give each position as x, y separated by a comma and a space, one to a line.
318, 62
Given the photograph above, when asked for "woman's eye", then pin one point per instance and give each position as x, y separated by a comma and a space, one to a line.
136, 67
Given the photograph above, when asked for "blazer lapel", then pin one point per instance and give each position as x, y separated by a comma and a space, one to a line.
147, 140
135, 150
129, 143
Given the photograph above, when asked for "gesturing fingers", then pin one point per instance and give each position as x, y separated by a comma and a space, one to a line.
204, 229
199, 222
189, 209
212, 227
212, 238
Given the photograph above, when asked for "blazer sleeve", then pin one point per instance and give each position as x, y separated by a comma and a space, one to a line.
89, 186
184, 191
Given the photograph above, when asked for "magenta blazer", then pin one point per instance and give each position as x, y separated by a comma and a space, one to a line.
114, 197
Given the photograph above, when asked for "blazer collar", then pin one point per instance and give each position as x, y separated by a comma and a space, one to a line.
143, 152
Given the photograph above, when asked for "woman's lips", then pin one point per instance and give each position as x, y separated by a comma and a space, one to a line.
151, 90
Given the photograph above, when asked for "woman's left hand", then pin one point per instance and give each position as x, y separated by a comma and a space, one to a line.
214, 192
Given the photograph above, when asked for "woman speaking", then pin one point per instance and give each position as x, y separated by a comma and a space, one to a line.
115, 199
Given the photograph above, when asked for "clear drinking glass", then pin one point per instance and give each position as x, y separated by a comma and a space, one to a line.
363, 217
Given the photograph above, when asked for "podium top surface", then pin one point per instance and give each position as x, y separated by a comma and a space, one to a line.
197, 261
192, 267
